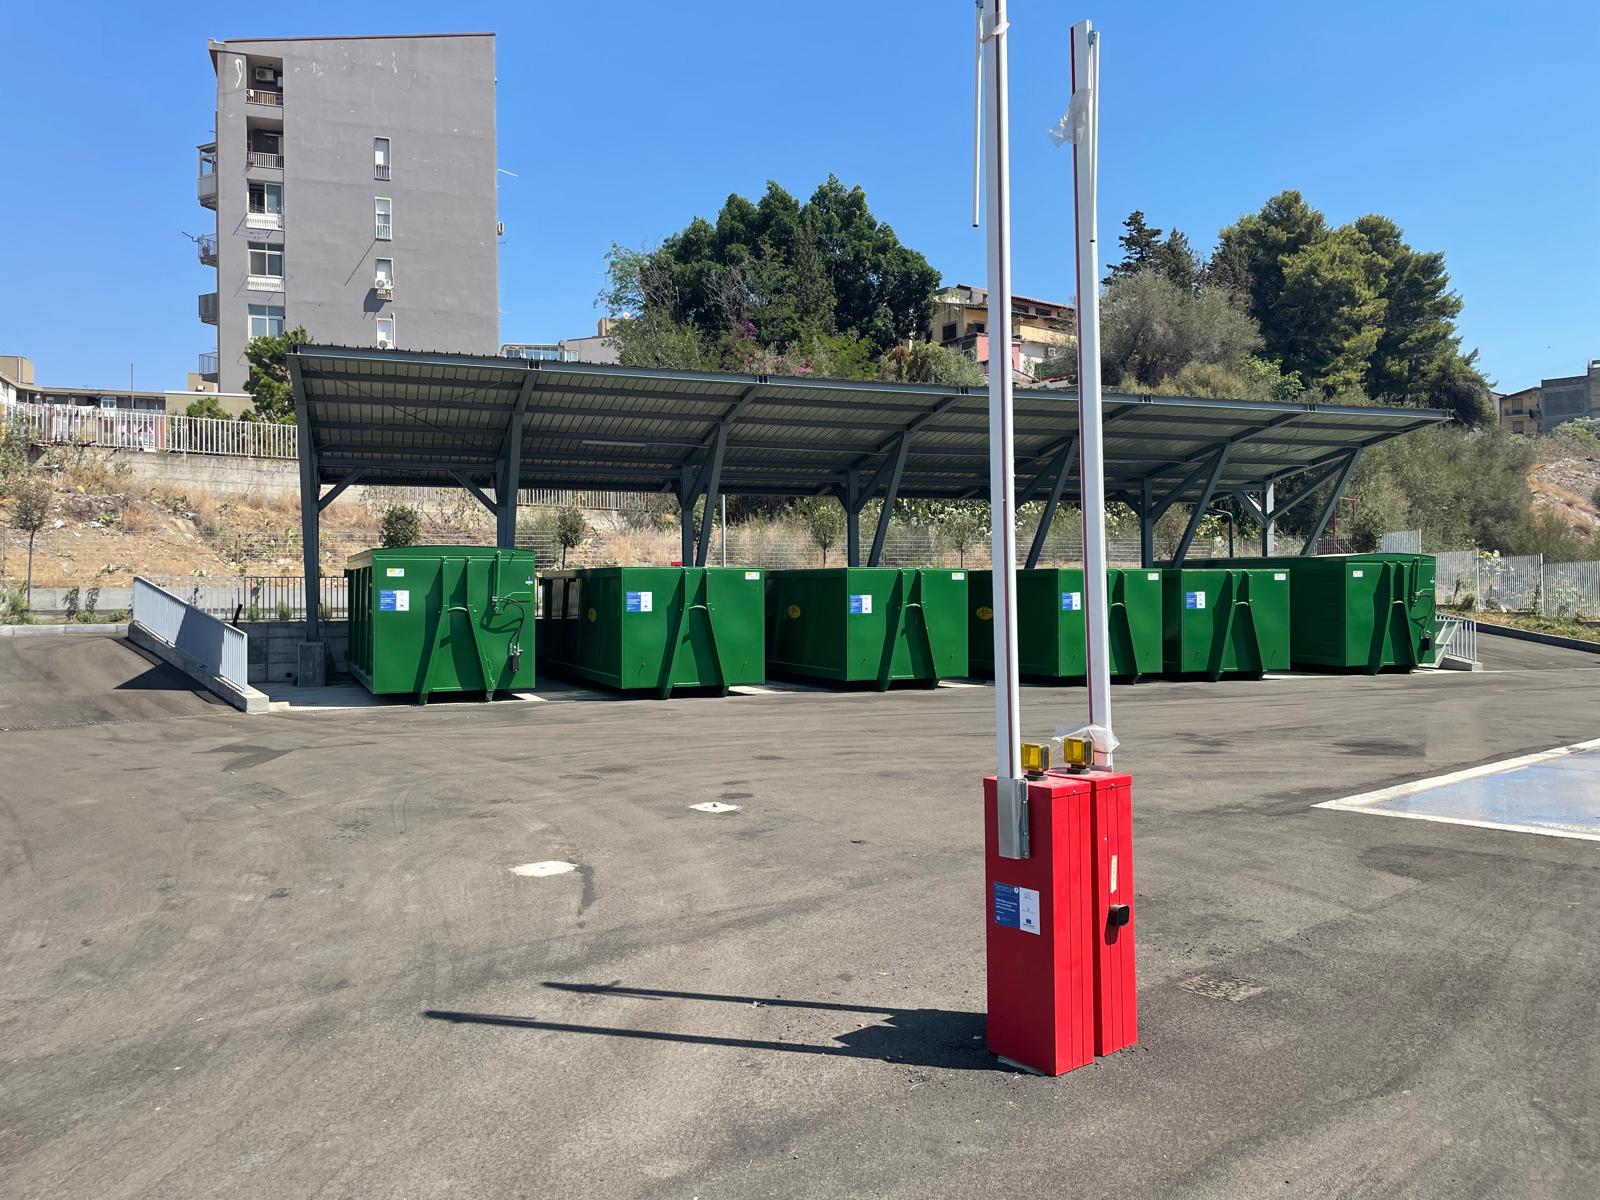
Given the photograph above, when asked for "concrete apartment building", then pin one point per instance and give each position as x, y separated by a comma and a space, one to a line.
596, 348
1041, 330
354, 185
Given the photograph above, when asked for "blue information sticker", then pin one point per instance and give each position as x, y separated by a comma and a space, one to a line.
1071, 602
633, 601
1194, 599
1016, 907
1007, 910
386, 601
861, 604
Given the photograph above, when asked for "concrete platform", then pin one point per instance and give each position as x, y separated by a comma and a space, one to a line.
343, 953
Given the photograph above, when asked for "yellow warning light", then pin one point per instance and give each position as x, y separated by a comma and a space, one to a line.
1076, 753
1035, 758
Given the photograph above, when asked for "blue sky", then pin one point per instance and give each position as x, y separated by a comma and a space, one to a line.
1471, 124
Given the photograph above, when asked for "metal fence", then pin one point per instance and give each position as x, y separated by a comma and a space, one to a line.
223, 648
1491, 582
259, 597
173, 433
1406, 541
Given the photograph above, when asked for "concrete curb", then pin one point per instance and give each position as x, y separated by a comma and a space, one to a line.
246, 699
1548, 639
63, 631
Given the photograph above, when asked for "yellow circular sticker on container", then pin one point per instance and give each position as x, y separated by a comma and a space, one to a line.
591, 614
985, 613
794, 611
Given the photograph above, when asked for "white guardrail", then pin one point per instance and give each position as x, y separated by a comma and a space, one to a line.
210, 642
1455, 637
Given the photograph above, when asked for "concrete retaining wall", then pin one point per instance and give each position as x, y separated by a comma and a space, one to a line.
275, 648
217, 473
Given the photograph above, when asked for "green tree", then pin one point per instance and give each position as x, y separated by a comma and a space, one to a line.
1329, 314
962, 527
823, 518
571, 529
1151, 329
400, 525
1141, 248
772, 276
925, 362
1249, 259
268, 381
31, 497
207, 407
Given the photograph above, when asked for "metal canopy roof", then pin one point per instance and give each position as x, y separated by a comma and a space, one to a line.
394, 417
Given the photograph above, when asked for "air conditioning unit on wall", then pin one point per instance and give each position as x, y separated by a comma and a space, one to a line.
385, 344
265, 74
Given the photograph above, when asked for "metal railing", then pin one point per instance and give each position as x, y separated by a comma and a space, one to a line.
261, 158
264, 96
221, 647
1455, 637
247, 598
206, 244
384, 231
206, 363
380, 170
206, 304
126, 429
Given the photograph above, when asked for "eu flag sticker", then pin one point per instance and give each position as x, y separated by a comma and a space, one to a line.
1016, 907
1071, 601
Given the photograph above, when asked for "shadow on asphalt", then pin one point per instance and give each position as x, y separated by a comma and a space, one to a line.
922, 1037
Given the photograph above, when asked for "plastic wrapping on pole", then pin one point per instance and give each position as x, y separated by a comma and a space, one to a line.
1060, 929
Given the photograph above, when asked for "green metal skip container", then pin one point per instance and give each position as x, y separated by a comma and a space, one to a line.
654, 629
427, 619
1050, 622
877, 625
1359, 612
1225, 621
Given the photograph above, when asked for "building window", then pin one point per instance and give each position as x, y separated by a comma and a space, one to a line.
266, 206
386, 332
383, 273
383, 213
948, 333
975, 327
380, 158
266, 260
266, 320
1516, 427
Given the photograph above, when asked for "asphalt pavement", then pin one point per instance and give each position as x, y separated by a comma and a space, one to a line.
287, 955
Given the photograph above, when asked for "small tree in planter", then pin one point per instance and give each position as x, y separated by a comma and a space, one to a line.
571, 530
31, 511
401, 526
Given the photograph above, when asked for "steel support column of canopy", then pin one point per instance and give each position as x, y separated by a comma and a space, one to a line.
1315, 536
310, 509
1062, 468
1218, 464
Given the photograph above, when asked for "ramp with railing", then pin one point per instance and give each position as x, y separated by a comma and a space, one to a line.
210, 651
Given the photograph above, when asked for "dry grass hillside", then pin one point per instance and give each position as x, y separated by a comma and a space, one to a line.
1565, 486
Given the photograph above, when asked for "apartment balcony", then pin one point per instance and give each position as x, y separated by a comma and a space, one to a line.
266, 97
380, 171
263, 283
263, 220
206, 185
262, 160
208, 307
206, 244
206, 366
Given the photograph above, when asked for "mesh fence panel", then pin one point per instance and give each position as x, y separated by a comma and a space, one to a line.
1509, 584
1455, 575
1405, 541
1571, 590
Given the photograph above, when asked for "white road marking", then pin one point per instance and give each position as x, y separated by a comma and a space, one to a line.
714, 806
539, 870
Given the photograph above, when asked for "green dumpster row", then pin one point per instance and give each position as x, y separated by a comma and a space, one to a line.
431, 619
1182, 622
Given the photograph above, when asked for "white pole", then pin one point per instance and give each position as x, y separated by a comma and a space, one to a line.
1091, 461
1002, 506
977, 125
